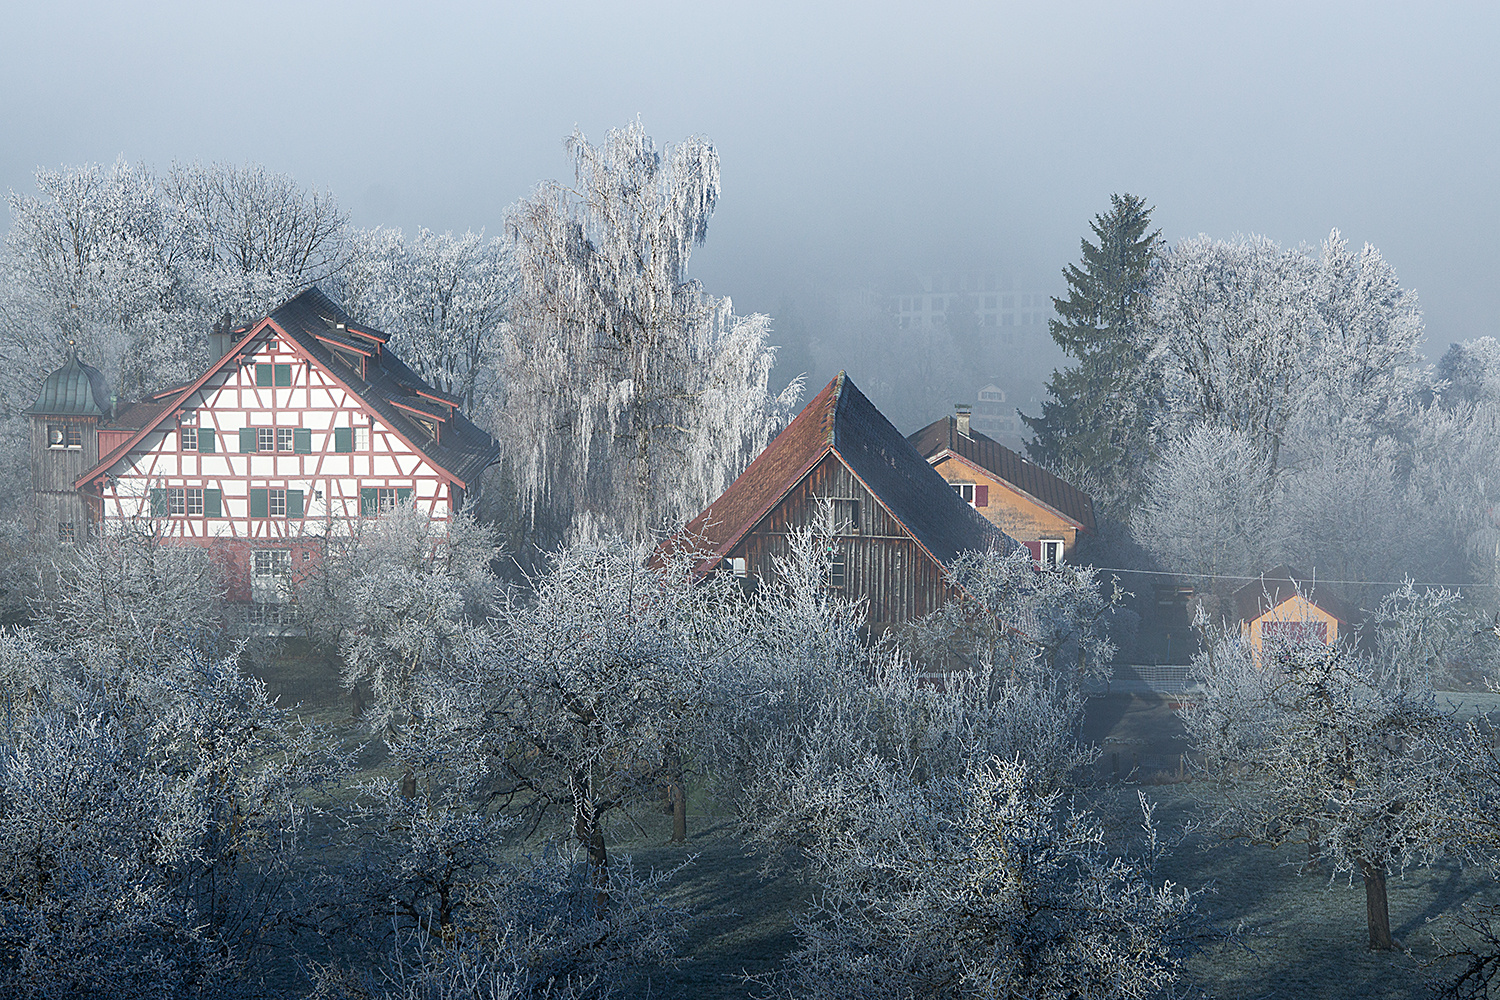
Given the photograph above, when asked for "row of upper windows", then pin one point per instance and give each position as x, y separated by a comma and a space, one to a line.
192, 501
297, 440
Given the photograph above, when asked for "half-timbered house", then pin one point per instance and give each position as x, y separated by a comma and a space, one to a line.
1040, 510
895, 525
304, 424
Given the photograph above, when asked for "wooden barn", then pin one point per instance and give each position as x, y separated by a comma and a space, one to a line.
304, 424
897, 526
1286, 603
1036, 508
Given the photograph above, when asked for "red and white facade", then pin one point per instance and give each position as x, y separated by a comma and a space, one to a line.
274, 450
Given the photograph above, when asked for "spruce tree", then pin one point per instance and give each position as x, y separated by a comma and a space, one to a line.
1099, 413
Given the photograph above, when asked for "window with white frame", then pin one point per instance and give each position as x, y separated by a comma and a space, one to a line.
1051, 553
176, 501
271, 564
283, 439
385, 500
265, 438
965, 491
194, 502
188, 438
278, 503
361, 439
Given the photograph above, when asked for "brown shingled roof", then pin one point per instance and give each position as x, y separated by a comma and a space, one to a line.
1036, 482
841, 420
1282, 583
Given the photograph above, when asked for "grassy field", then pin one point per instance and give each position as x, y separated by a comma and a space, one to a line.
1298, 935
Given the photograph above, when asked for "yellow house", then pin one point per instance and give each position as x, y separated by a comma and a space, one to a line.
1028, 503
1285, 603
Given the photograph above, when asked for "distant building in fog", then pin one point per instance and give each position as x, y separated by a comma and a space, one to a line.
1017, 312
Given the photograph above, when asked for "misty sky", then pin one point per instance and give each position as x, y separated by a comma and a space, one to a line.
858, 140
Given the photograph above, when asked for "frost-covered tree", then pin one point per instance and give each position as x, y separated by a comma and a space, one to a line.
399, 597
1047, 630
1333, 748
976, 885
134, 267
1283, 347
591, 690
150, 813
132, 593
932, 814
629, 391
441, 297
1209, 512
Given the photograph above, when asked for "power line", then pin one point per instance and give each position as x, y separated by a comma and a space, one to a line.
1247, 579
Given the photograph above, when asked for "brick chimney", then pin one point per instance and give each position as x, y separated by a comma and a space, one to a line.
962, 411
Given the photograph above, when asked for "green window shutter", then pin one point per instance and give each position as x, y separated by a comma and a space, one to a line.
301, 441
247, 439
262, 375
260, 503
159, 504
343, 439
294, 503
205, 439
369, 501
283, 374
404, 495
213, 503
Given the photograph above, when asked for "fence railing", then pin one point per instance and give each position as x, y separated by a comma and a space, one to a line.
1145, 678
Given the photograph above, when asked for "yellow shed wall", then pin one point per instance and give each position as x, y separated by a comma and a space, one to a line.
1294, 609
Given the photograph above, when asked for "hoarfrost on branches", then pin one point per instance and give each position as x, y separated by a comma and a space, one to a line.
1326, 746
629, 391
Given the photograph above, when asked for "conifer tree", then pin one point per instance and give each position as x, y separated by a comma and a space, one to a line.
1099, 414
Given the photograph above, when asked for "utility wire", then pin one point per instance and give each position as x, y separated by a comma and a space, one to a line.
1247, 579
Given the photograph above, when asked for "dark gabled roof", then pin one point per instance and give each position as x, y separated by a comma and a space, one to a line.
1276, 585
1036, 482
841, 420
462, 450
74, 390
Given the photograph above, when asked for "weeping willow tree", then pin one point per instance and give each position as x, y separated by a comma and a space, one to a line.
631, 395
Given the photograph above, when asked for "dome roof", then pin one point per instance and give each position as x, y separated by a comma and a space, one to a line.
75, 389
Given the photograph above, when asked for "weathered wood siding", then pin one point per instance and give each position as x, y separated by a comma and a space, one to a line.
883, 564
53, 471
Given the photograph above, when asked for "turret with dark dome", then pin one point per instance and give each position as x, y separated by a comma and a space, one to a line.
73, 402
74, 390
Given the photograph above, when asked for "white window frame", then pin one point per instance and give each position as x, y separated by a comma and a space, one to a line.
187, 438
284, 439
361, 438
194, 504
965, 492
176, 501
276, 503
265, 439
1050, 552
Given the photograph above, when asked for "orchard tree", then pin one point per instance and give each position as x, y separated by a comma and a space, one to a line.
629, 391
1101, 411
590, 691
401, 596
1326, 746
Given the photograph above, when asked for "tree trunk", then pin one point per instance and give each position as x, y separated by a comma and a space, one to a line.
590, 834
677, 795
1377, 907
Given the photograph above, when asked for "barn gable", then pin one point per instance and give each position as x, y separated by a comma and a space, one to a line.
898, 525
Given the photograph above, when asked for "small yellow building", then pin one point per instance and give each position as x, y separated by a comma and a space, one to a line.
1024, 500
1285, 603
